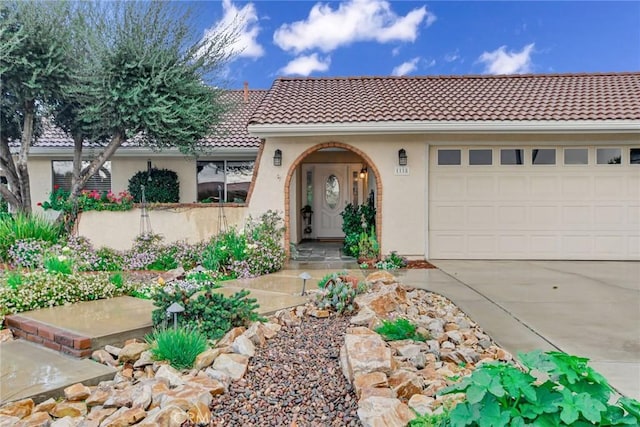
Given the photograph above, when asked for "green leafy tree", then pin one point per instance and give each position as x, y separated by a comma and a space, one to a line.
34, 67
110, 72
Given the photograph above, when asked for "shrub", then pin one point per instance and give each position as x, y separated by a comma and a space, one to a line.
160, 186
223, 250
108, 259
339, 295
393, 261
431, 420
178, 346
368, 246
564, 391
355, 220
22, 227
40, 289
207, 311
265, 249
399, 329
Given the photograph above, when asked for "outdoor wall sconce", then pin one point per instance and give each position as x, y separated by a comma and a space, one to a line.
277, 158
402, 157
363, 172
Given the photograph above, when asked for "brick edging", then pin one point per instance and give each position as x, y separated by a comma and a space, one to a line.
49, 336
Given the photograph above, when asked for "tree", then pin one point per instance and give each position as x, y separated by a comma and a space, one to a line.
34, 67
140, 74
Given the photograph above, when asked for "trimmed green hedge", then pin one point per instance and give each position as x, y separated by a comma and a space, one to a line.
160, 186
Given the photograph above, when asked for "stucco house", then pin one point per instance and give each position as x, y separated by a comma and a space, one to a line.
461, 167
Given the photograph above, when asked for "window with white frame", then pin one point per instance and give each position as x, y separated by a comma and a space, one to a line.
62, 173
228, 180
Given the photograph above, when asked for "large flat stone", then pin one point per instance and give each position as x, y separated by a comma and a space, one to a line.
28, 370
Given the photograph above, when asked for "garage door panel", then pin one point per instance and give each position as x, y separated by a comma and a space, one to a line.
534, 211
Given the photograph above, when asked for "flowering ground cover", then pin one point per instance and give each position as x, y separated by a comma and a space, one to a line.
64, 270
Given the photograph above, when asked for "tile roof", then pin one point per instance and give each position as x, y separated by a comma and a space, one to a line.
232, 132
556, 97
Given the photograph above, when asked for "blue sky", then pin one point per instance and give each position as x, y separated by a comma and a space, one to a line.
376, 37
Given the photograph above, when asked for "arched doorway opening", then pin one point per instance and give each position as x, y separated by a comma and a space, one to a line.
318, 186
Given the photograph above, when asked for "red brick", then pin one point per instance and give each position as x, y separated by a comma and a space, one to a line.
47, 332
19, 333
34, 338
64, 338
76, 353
52, 345
81, 343
13, 321
29, 327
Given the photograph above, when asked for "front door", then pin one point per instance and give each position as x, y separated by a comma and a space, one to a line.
331, 195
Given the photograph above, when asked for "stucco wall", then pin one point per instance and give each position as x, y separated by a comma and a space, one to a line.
403, 205
118, 230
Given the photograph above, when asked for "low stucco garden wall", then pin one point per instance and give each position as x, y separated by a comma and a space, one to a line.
191, 223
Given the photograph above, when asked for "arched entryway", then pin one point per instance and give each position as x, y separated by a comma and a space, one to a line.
344, 174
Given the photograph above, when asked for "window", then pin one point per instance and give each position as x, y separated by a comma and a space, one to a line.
448, 157
62, 172
608, 156
511, 156
480, 157
543, 156
634, 156
576, 156
224, 178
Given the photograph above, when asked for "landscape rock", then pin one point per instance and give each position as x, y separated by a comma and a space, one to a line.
381, 276
8, 420
66, 422
230, 337
119, 398
271, 329
171, 416
20, 408
146, 358
170, 374
243, 345
214, 387
206, 358
76, 392
188, 393
36, 419
142, 397
421, 404
369, 380
200, 414
173, 275
366, 353
113, 350
132, 352
232, 364
45, 406
70, 409
104, 357
406, 384
364, 316
6, 335
124, 417
383, 301
256, 334
98, 396
384, 412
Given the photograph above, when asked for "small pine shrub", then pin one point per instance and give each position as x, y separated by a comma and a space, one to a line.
178, 346
399, 329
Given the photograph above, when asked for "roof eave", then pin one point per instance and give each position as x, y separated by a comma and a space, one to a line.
464, 127
140, 151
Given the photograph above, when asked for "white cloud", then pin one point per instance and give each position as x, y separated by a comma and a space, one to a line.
452, 56
429, 64
395, 51
502, 62
245, 22
305, 65
354, 20
406, 67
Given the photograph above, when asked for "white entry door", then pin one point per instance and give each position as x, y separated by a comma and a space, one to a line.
331, 195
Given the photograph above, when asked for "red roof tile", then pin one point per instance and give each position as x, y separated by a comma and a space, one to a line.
232, 132
556, 97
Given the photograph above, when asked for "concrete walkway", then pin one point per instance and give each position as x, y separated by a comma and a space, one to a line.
589, 309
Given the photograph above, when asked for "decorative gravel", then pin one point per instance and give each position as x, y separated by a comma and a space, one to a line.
295, 380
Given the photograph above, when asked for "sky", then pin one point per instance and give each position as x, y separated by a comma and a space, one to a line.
383, 38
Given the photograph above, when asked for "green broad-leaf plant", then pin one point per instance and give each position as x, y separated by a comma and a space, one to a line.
552, 389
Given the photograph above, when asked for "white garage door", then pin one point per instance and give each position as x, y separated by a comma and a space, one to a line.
534, 203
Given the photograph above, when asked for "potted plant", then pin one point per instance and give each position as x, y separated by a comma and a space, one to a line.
368, 247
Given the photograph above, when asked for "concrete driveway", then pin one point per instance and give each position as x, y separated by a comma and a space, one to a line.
589, 309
